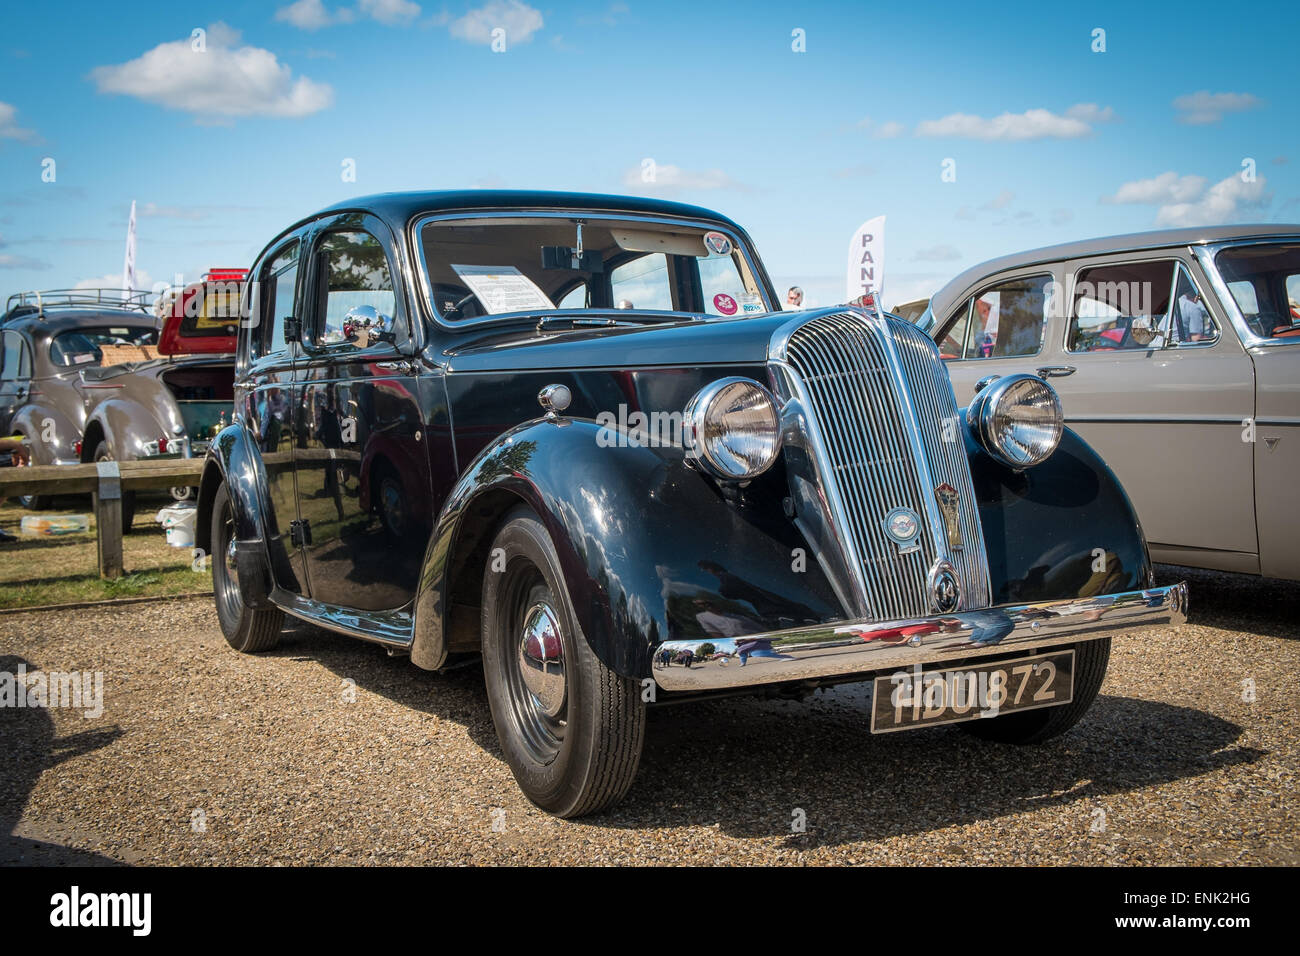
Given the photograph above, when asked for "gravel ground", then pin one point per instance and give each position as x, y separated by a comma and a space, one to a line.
327, 751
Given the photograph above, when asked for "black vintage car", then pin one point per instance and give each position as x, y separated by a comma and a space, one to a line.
574, 434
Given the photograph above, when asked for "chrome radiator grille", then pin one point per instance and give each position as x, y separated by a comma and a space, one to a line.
882, 405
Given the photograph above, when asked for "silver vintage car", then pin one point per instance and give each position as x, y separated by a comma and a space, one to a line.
1176, 354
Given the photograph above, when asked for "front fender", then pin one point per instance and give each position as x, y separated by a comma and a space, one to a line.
1062, 529
232, 460
650, 548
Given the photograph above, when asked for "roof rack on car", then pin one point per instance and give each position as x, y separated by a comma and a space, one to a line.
35, 303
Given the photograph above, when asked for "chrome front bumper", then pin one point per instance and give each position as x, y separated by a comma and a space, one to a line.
843, 650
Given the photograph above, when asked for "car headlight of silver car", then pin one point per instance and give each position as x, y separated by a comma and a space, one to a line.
733, 428
1018, 420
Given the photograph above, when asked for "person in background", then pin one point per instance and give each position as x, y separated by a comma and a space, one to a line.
793, 299
1193, 318
18, 455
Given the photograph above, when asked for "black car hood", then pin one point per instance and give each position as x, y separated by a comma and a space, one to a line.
707, 341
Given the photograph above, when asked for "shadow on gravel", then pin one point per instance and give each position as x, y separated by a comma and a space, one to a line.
30, 748
457, 695
1238, 602
747, 765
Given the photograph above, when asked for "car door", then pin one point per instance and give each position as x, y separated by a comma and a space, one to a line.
1261, 285
273, 401
1164, 406
1007, 326
362, 468
15, 377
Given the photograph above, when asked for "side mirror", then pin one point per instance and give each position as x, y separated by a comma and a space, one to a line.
364, 325
292, 329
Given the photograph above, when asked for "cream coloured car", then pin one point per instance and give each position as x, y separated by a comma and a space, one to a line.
1176, 355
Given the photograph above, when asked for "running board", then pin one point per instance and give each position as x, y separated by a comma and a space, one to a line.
394, 629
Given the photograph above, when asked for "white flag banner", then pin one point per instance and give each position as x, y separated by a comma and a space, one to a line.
867, 260
128, 266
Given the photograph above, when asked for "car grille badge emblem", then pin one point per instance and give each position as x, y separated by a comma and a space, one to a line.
950, 505
945, 588
904, 528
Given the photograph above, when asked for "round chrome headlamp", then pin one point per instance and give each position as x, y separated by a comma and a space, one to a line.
733, 428
1018, 420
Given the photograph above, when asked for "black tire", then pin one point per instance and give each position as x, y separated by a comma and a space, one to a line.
1036, 726
248, 630
573, 747
103, 453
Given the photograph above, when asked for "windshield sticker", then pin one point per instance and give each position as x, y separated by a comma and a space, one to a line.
725, 304
717, 244
750, 304
503, 289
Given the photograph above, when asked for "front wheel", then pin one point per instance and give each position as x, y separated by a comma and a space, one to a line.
1036, 726
570, 728
246, 629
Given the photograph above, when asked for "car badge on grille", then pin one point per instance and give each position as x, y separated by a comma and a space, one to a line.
945, 588
904, 528
950, 504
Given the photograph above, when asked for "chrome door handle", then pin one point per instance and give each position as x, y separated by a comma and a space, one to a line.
1056, 371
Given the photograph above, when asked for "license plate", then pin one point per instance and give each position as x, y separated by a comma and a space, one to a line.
908, 699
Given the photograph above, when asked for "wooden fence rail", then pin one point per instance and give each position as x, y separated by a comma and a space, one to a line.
106, 480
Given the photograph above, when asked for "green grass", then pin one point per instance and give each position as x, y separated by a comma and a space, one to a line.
64, 569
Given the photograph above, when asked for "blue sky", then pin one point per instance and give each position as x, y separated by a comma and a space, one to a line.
1049, 140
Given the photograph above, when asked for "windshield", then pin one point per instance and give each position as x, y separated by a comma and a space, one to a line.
1264, 280
530, 265
85, 346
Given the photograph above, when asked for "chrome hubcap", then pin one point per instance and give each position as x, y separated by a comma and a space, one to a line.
230, 557
541, 660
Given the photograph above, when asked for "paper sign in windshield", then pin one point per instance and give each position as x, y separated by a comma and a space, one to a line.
503, 289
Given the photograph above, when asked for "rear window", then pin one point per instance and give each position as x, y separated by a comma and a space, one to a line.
85, 346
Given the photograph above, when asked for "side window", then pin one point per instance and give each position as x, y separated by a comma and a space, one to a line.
721, 286
952, 344
278, 284
1135, 305
1191, 320
10, 364
357, 291
642, 284
1009, 319
575, 299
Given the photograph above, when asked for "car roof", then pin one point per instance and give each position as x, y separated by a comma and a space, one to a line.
55, 321
948, 296
397, 208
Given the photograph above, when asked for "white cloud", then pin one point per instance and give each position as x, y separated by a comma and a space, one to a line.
306, 15
392, 13
1166, 188
1000, 201
890, 130
1091, 113
113, 280
9, 128
940, 253
314, 15
669, 178
10, 261
1222, 202
519, 20
1016, 127
224, 80
1203, 107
